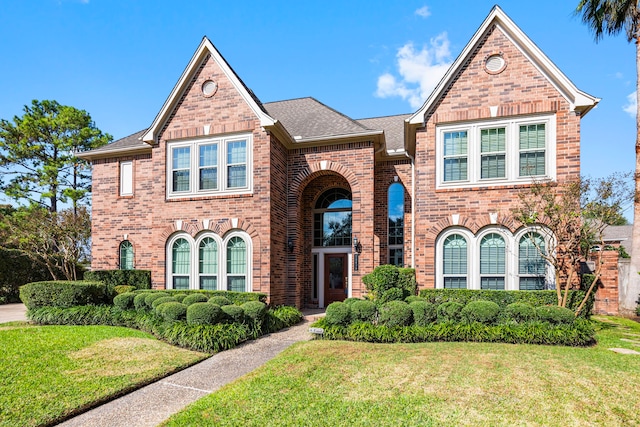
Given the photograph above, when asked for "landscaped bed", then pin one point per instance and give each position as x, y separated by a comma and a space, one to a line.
51, 372
434, 384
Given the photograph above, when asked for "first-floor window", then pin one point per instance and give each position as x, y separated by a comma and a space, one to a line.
208, 262
126, 255
494, 259
180, 265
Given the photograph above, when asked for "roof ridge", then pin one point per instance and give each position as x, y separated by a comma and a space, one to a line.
341, 114
384, 117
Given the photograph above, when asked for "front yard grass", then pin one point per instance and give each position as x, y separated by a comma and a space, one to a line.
321, 383
50, 372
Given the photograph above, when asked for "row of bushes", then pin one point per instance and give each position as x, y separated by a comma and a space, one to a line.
139, 279
199, 337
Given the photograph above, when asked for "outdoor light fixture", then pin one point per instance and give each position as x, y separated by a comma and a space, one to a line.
357, 249
290, 244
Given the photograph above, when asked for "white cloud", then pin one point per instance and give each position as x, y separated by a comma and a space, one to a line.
423, 12
631, 107
419, 70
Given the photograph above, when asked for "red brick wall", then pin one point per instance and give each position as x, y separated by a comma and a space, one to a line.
607, 294
519, 89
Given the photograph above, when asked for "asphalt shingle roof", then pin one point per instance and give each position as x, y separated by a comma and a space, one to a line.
131, 141
393, 127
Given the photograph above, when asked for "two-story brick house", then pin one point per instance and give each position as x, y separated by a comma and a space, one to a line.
225, 192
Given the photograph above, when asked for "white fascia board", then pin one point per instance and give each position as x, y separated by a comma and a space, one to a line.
343, 137
206, 47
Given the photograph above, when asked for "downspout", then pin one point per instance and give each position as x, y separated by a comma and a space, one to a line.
413, 209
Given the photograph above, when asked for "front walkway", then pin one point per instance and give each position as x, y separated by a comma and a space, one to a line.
13, 313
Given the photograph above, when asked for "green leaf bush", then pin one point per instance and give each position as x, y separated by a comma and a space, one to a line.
172, 311
389, 283
281, 317
121, 289
395, 313
139, 301
449, 312
220, 300
555, 315
17, 269
124, 301
150, 298
156, 302
255, 311
338, 313
203, 313
232, 313
424, 312
363, 311
193, 298
139, 279
520, 312
480, 311
63, 294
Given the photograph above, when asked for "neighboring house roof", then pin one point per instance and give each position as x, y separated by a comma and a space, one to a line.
393, 127
579, 100
131, 144
307, 120
205, 48
619, 233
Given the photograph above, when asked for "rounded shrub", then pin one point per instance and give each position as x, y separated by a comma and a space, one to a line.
180, 297
363, 311
555, 315
396, 313
121, 289
412, 298
203, 313
193, 298
480, 311
138, 301
255, 310
424, 313
124, 301
338, 313
233, 313
172, 310
151, 297
520, 312
393, 294
161, 300
449, 311
350, 301
220, 300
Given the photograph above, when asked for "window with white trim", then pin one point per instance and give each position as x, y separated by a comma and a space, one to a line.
496, 152
126, 178
494, 259
209, 262
220, 165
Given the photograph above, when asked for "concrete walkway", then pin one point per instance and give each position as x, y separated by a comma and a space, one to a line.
13, 313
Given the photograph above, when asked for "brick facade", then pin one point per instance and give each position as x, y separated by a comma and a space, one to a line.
288, 176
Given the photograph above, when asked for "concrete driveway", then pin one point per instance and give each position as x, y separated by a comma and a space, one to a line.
12, 313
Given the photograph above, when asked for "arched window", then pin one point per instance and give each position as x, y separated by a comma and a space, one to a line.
454, 262
208, 264
332, 218
181, 264
236, 264
395, 206
492, 262
531, 263
126, 255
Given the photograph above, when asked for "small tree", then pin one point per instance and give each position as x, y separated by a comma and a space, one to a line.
573, 217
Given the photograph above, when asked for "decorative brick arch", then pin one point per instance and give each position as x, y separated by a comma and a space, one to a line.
324, 167
237, 224
473, 225
187, 227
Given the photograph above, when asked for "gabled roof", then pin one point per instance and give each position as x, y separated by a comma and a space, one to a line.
393, 127
205, 48
131, 144
579, 100
309, 120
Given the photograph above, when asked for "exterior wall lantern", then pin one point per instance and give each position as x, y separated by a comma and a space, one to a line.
290, 245
357, 250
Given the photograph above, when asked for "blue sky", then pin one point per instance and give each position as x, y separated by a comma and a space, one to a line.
120, 59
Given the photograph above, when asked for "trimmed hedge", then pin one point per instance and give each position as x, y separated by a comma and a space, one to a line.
203, 313
555, 315
141, 279
338, 313
424, 312
450, 311
172, 311
156, 302
232, 313
363, 311
139, 301
480, 311
237, 298
581, 333
194, 298
150, 298
255, 311
520, 312
396, 313
121, 289
220, 300
63, 294
124, 301
504, 298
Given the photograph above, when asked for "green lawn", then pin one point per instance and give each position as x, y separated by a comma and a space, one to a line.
47, 372
321, 383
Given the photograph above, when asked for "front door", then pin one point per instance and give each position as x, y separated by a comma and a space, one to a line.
336, 278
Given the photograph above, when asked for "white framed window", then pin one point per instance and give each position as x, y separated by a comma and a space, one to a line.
126, 178
216, 165
494, 259
496, 152
209, 262
126, 255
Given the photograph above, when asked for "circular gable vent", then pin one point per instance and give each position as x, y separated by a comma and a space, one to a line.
494, 64
209, 88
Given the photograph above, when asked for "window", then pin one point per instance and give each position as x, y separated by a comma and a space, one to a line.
492, 262
332, 218
395, 206
531, 263
209, 262
126, 255
454, 262
493, 153
126, 178
494, 259
180, 265
210, 166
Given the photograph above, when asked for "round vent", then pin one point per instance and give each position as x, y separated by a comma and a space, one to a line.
209, 88
495, 64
